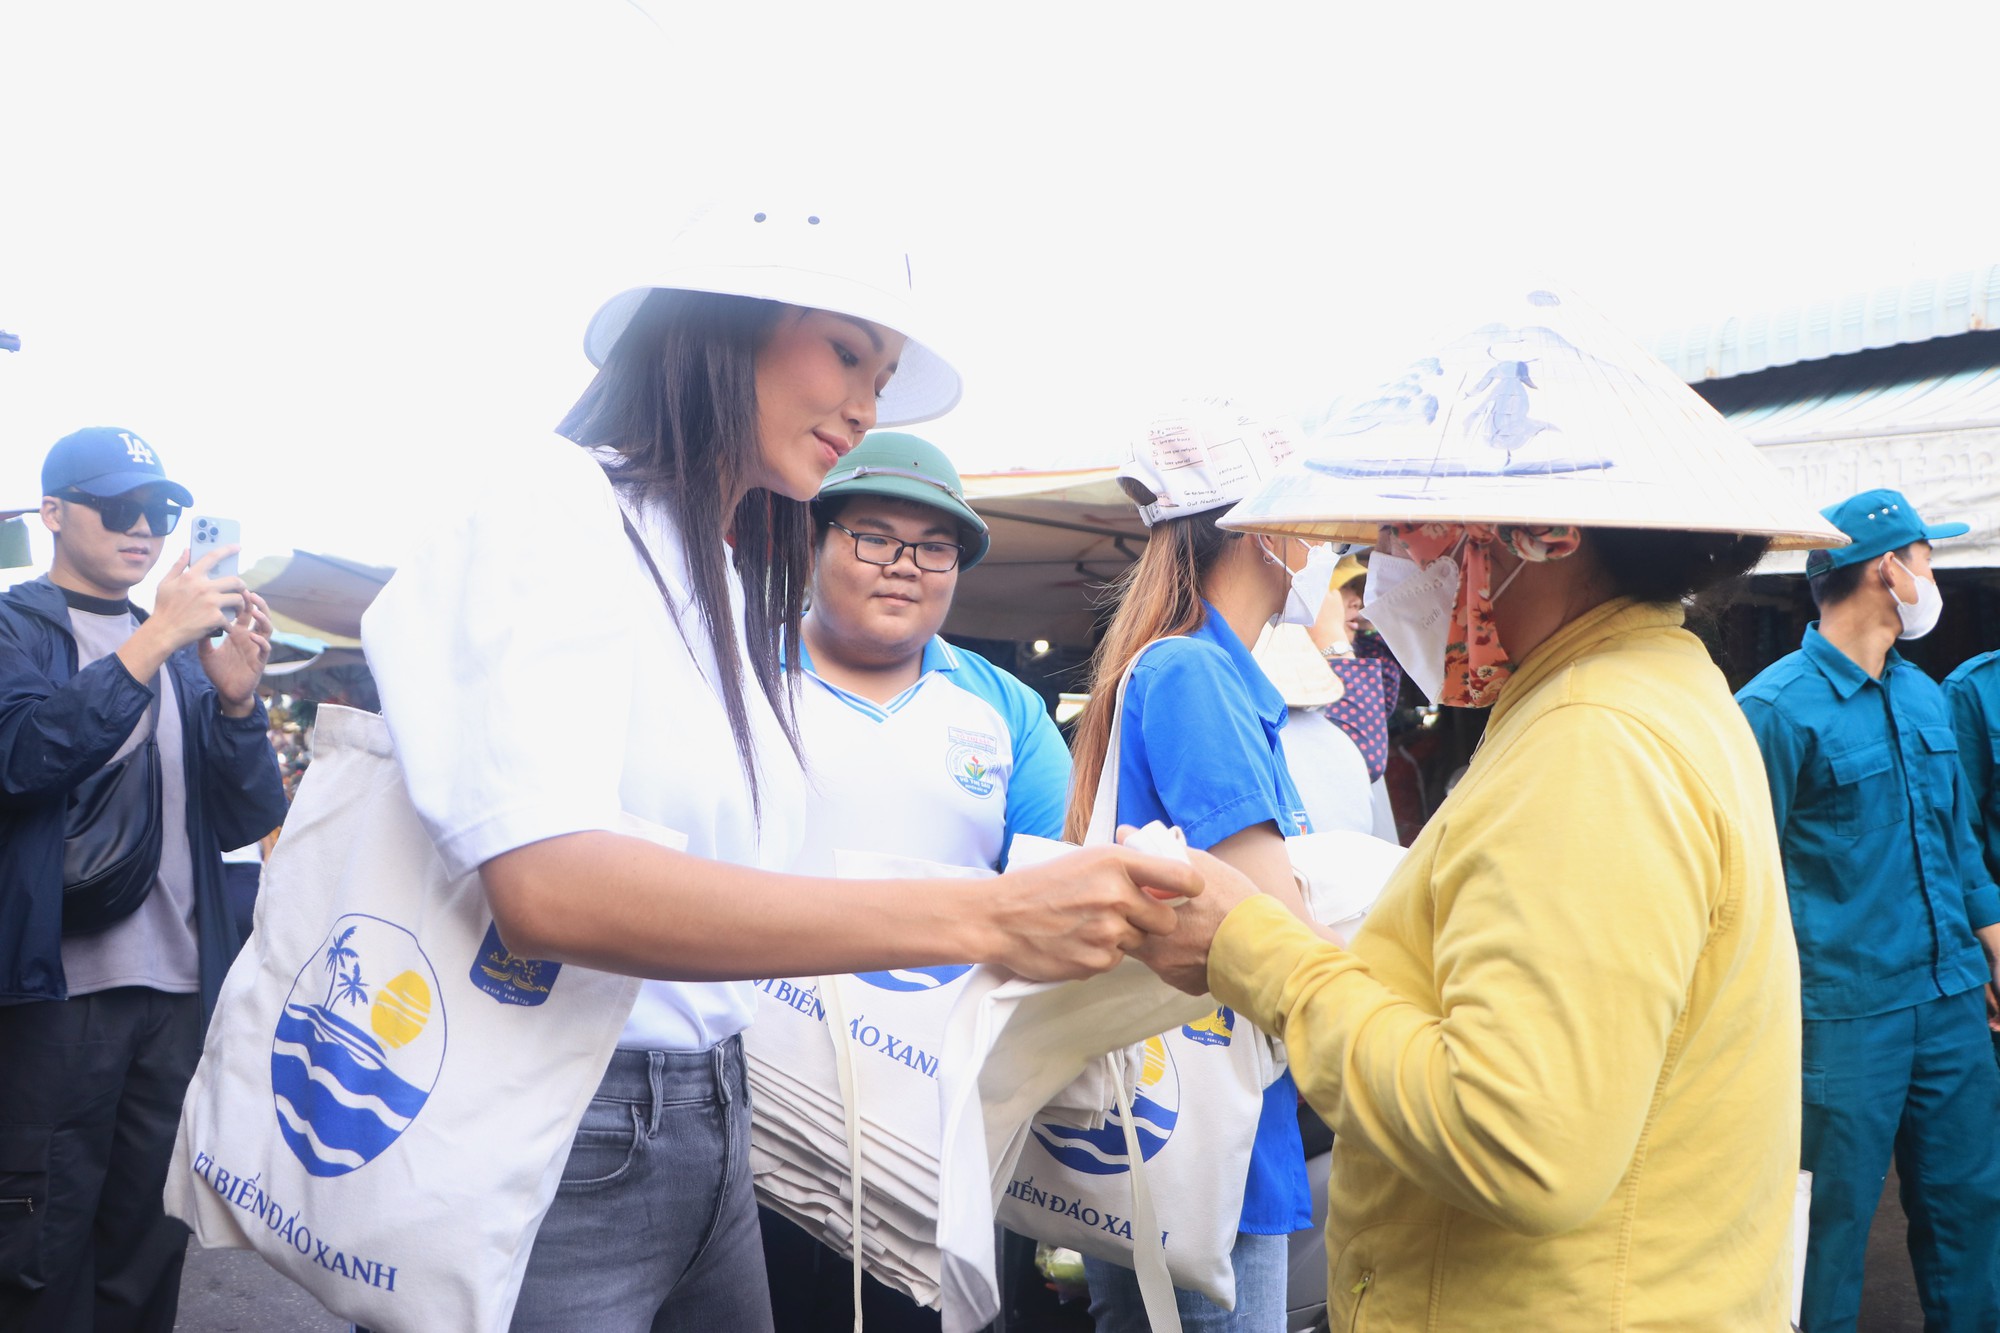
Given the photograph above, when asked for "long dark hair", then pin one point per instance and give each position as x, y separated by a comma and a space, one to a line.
1158, 595
677, 400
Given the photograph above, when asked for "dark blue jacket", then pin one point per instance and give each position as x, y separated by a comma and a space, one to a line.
59, 725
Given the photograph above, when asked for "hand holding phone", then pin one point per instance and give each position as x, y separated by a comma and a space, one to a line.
212, 535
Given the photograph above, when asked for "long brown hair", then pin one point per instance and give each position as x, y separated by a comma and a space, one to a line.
1158, 595
677, 400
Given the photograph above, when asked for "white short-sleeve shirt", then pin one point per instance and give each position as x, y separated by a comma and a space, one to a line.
947, 771
535, 685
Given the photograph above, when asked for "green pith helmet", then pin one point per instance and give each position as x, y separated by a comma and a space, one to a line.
903, 467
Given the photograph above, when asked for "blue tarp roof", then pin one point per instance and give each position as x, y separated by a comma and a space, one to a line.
1940, 385
1963, 302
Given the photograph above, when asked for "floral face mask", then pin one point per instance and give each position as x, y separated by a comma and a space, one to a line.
1458, 658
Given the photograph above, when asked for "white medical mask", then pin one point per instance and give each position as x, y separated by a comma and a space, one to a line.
1310, 584
1411, 609
1921, 616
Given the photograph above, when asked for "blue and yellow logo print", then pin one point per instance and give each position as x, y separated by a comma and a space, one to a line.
1156, 1108
358, 1046
1215, 1030
915, 978
508, 977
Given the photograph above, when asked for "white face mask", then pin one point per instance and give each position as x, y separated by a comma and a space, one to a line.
1411, 609
1921, 616
1310, 584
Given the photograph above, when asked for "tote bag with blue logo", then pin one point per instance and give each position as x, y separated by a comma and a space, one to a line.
1161, 1176
387, 1096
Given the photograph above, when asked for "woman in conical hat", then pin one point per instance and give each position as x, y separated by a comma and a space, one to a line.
1561, 1059
598, 641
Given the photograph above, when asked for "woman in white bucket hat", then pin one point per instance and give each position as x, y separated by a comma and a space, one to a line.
1561, 1060
597, 643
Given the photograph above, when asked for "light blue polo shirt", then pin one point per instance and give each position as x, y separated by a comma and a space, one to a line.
948, 771
1200, 748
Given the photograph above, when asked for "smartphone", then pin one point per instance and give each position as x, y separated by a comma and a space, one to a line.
212, 534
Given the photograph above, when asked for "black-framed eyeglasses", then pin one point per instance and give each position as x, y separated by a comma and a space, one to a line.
121, 512
872, 548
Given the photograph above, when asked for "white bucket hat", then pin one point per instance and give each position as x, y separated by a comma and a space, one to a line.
802, 258
1547, 415
1197, 456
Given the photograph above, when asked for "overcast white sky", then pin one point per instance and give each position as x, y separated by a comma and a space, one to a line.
322, 255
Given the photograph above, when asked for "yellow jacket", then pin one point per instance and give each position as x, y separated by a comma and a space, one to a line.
1561, 1060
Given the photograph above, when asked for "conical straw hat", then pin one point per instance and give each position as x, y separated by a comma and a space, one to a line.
1547, 415
1296, 668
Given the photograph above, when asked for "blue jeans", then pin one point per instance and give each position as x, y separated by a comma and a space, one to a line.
654, 1226
1259, 1263
1918, 1082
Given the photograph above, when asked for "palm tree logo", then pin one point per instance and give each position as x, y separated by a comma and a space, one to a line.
337, 953
350, 989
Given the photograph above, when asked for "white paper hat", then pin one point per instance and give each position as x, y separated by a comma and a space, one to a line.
823, 261
1197, 456
1547, 415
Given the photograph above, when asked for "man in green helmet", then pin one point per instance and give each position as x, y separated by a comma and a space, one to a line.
914, 747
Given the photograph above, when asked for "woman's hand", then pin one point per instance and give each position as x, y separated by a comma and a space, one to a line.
1181, 958
1082, 913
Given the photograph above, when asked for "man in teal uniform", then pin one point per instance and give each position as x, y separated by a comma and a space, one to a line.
1974, 693
1898, 925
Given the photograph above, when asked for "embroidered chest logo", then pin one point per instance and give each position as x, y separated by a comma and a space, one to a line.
358, 1047
969, 756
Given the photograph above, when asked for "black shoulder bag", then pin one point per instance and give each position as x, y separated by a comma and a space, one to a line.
111, 837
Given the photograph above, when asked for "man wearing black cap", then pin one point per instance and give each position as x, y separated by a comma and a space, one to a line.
102, 999
1898, 927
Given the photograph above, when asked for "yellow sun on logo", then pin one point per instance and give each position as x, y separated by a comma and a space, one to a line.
1152, 1062
401, 1009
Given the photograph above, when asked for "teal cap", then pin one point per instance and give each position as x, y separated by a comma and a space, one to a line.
903, 467
1878, 522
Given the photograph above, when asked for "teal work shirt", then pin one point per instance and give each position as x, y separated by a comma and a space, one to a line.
1874, 821
1974, 693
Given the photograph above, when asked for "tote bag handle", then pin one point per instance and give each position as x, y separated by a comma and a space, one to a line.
1149, 1254
1103, 825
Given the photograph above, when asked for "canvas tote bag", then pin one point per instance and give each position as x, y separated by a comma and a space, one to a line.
387, 1096
1181, 1134
869, 1046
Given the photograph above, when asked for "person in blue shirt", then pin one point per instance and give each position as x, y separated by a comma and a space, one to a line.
913, 747
1200, 748
1898, 926
1973, 691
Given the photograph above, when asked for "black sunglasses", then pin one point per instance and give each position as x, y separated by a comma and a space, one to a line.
121, 512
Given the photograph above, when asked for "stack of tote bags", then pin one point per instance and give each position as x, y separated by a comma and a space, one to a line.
873, 1045
957, 1095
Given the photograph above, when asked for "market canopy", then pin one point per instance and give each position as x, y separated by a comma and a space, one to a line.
324, 595
1922, 418
1058, 538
